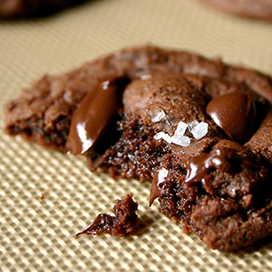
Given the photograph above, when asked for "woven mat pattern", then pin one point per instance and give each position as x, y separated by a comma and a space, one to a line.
39, 234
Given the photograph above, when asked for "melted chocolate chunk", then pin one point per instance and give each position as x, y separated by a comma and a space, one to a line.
103, 223
199, 166
235, 114
94, 114
158, 180
123, 223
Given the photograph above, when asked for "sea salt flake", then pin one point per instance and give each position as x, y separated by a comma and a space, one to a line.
145, 77
200, 130
180, 140
181, 128
164, 136
192, 125
158, 116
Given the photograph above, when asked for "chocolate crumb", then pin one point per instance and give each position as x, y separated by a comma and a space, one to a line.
123, 223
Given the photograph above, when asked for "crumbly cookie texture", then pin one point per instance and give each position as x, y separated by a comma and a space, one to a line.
254, 9
122, 224
199, 129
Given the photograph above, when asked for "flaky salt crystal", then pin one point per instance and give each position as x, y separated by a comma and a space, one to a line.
192, 125
181, 128
180, 140
145, 77
164, 136
158, 116
200, 130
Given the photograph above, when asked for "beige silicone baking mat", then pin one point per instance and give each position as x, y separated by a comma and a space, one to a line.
39, 234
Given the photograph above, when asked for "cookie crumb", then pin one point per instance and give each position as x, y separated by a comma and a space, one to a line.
123, 223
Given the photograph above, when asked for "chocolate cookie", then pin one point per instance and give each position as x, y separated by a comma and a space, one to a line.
255, 9
30, 8
198, 128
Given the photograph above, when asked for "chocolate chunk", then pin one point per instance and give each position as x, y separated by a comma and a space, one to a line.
123, 223
94, 114
235, 114
199, 166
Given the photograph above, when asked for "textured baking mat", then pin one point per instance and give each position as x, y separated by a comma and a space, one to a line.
38, 234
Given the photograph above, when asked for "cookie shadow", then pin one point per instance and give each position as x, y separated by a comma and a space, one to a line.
146, 221
260, 245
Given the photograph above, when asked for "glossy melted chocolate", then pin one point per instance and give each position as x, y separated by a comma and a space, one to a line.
235, 114
198, 167
94, 114
158, 180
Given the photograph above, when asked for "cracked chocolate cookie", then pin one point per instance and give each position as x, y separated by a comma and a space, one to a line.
197, 128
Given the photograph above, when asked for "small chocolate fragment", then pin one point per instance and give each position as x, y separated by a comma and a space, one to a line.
235, 114
95, 112
123, 223
199, 166
103, 223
